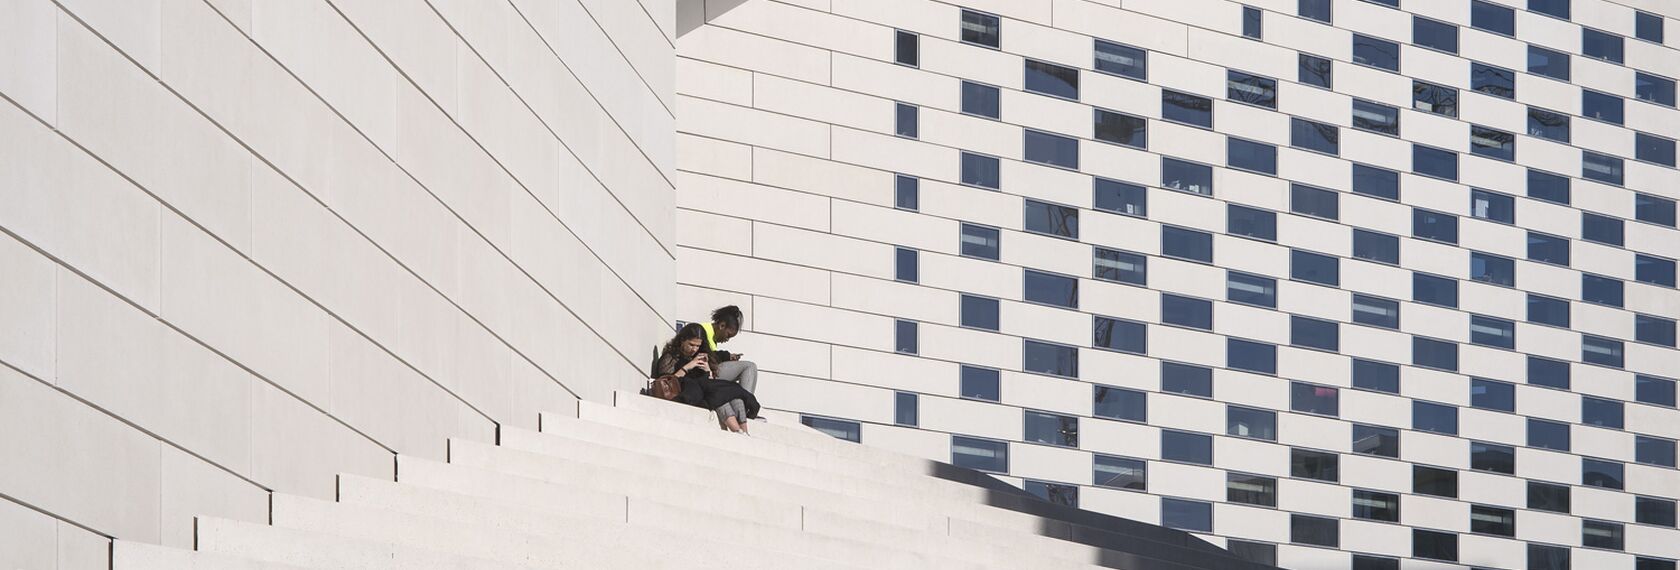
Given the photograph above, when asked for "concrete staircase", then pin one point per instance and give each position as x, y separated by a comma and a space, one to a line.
650, 484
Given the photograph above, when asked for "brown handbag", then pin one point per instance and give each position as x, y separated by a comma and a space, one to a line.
665, 387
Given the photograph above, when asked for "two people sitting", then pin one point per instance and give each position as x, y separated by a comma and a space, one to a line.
693, 371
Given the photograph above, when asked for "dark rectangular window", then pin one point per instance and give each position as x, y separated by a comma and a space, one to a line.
1548, 311
905, 120
1251, 89
1376, 506
1318, 531
1050, 79
906, 48
1313, 399
1314, 333
1315, 71
1493, 18
1549, 187
1435, 418
1251, 489
1601, 473
907, 192
1434, 290
1315, 136
1054, 493
1432, 98
1053, 429
1493, 520
1435, 226
1659, 90
1119, 473
1186, 447
1381, 54
1364, 562
1052, 359
1648, 208
1489, 268
1653, 451
1601, 412
1548, 497
1250, 289
1434, 34
1119, 128
1193, 516
981, 29
1119, 197
1652, 510
1376, 182
1314, 10
1376, 440
1250, 356
1119, 404
1654, 330
1558, 8
1259, 552
978, 312
1495, 81
1601, 106
1119, 266
979, 383
1050, 289
1548, 125
1186, 108
1601, 45
1376, 311
1542, 557
979, 241
1051, 219
1186, 379
839, 429
1186, 311
1382, 248
980, 170
1493, 206
1654, 390
1186, 176
1431, 161
1119, 334
1122, 60
1186, 244
1548, 435
906, 266
904, 335
906, 409
1251, 22
1654, 149
1601, 534
1491, 457
1373, 375
1648, 27
1643, 563
1434, 545
1431, 353
1314, 268
1251, 222
1489, 331
1249, 422
1491, 395
1548, 372
1548, 249
980, 454
1376, 117
1545, 62
1252, 156
1051, 149
1601, 290
1313, 465
1433, 481
980, 100
1492, 143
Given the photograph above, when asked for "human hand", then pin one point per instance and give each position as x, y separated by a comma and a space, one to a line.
735, 356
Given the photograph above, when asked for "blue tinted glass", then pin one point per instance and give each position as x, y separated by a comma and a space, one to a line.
1120, 473
1491, 395
1307, 266
1376, 247
1119, 334
978, 99
1313, 201
1054, 429
1052, 219
1436, 35
1434, 417
1119, 404
1313, 333
1186, 244
1492, 143
1654, 330
1249, 422
1119, 197
1434, 290
905, 48
1495, 81
1376, 117
1601, 473
907, 192
1186, 311
1319, 531
1602, 229
1376, 311
1601, 167
1648, 27
1251, 22
1434, 225
1053, 359
1493, 206
1250, 155
1120, 128
979, 383
1313, 465
1659, 90
1050, 289
1054, 493
905, 264
1553, 64
1051, 79
1251, 356
1648, 208
979, 241
905, 336
1373, 375
1493, 17
1314, 399
1187, 108
1547, 186
1376, 53
1495, 458
1489, 268
1430, 161
906, 121
1602, 351
1547, 310
1251, 89
1313, 135
1437, 99
1121, 60
1315, 71
1373, 440
1601, 106
1548, 249
1377, 182
1653, 451
1431, 353
840, 429
1119, 266
1601, 290
1314, 9
1193, 516
1186, 176
1652, 510
1548, 372
981, 28
906, 409
1488, 331
1654, 390
1251, 289
1548, 125
980, 454
1251, 222
1559, 8
1603, 46
980, 170
1548, 435
1051, 149
1186, 379
1186, 447
979, 312
1651, 148
1601, 412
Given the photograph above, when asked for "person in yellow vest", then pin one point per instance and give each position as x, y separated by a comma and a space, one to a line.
726, 323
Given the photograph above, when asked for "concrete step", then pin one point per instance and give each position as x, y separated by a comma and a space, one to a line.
326, 551
649, 413
781, 431
126, 555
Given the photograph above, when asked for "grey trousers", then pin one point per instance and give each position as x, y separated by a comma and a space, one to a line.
735, 408
742, 371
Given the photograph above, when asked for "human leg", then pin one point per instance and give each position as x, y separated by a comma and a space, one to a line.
743, 372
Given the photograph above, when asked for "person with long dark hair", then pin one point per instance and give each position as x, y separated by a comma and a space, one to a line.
684, 359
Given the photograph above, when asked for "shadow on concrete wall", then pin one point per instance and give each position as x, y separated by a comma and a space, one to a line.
692, 14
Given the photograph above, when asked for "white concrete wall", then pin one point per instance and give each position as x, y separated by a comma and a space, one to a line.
248, 244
